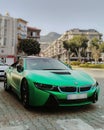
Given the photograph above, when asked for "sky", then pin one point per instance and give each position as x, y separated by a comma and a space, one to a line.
57, 15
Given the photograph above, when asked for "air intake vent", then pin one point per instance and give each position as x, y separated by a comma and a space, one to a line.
63, 73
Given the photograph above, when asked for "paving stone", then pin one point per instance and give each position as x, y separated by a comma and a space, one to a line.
13, 128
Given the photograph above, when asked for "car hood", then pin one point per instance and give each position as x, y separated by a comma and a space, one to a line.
60, 77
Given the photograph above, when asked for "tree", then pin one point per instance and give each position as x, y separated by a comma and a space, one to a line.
95, 49
94, 43
102, 47
77, 45
96, 54
29, 46
69, 46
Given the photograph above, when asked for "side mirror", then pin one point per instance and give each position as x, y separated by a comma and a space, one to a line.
20, 68
69, 66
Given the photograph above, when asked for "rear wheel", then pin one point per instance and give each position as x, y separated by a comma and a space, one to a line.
6, 86
25, 94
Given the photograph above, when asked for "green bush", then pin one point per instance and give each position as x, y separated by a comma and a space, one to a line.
75, 63
92, 65
84, 65
87, 65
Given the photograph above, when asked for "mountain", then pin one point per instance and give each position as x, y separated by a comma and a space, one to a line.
50, 37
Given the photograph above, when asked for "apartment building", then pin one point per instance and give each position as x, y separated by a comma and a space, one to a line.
33, 32
21, 33
56, 49
21, 28
8, 38
11, 31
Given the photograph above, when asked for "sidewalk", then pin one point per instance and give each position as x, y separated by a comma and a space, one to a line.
13, 128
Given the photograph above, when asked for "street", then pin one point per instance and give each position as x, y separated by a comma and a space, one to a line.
14, 116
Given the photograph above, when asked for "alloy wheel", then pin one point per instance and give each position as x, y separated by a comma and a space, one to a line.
25, 94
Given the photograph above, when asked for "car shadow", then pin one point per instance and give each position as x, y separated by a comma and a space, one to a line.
64, 109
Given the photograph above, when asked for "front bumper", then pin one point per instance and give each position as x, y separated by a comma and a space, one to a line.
53, 101
50, 98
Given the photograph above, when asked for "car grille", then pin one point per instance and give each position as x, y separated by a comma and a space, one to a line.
68, 89
74, 89
82, 89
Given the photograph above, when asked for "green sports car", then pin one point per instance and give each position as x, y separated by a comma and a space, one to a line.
42, 81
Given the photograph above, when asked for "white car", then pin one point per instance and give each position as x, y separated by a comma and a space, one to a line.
3, 67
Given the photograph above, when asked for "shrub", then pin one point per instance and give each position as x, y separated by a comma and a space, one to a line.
88, 65
75, 63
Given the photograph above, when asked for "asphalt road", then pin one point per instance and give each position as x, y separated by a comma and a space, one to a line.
13, 116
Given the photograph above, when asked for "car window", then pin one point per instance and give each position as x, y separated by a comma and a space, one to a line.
45, 64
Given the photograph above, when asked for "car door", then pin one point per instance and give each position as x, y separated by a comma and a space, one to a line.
10, 71
16, 78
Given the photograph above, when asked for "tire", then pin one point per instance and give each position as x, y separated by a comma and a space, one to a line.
95, 97
25, 94
6, 86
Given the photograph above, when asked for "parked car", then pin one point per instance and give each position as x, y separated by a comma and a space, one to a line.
44, 81
3, 67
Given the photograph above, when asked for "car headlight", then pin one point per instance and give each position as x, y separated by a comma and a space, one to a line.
95, 84
44, 86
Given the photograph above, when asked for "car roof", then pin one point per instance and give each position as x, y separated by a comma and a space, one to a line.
34, 57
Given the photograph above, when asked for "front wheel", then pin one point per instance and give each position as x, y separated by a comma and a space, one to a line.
95, 97
25, 94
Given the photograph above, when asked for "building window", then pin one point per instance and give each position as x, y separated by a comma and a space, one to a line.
31, 34
2, 51
34, 34
5, 32
5, 23
4, 41
19, 26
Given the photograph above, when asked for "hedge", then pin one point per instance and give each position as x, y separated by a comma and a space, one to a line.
92, 65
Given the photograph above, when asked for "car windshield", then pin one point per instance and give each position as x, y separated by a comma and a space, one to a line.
45, 64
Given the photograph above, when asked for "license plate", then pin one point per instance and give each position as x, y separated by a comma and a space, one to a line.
77, 96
